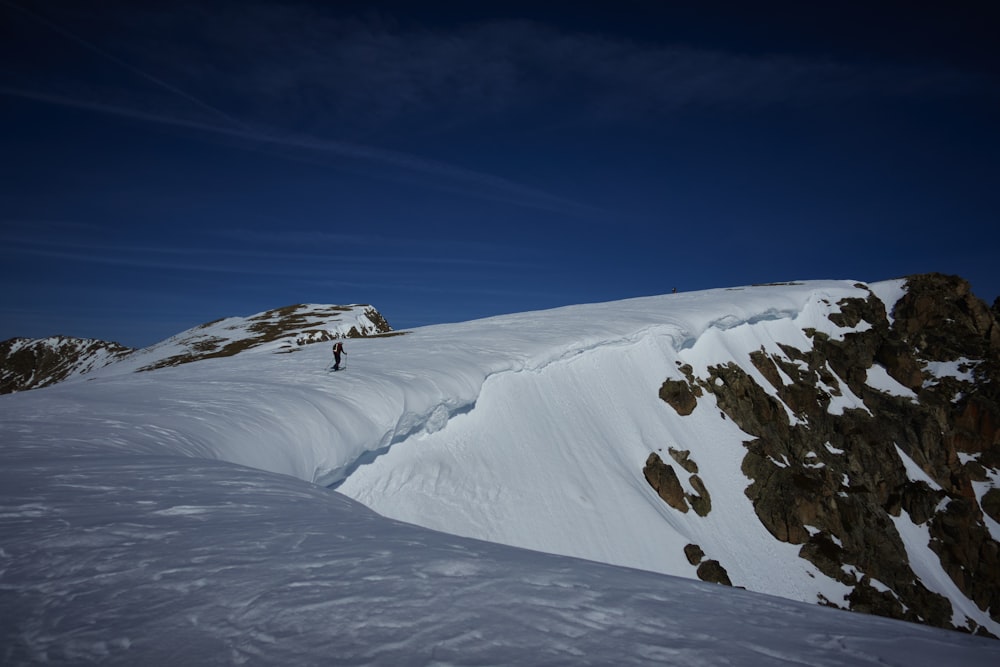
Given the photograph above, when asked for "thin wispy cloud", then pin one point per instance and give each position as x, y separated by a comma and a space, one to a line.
31, 229
321, 69
256, 269
446, 177
156, 81
226, 260
464, 180
303, 67
286, 238
247, 151
415, 287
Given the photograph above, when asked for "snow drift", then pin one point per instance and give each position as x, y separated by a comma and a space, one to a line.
529, 430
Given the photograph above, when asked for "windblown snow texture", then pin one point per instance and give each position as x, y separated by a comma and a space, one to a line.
179, 515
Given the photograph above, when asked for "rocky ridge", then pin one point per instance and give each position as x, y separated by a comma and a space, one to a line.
34, 363
834, 459
31, 363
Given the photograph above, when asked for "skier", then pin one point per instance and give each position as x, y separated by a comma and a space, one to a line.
338, 349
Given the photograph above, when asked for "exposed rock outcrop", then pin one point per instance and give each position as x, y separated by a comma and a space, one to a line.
664, 480
27, 363
681, 395
990, 503
694, 553
836, 458
709, 570
713, 572
683, 458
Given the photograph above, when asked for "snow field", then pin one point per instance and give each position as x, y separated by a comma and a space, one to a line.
128, 525
144, 559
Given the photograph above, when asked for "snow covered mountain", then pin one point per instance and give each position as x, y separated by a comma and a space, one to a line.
29, 364
826, 441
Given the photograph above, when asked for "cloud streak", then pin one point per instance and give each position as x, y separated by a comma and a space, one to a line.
221, 259
449, 177
378, 242
309, 66
316, 67
443, 176
156, 81
306, 67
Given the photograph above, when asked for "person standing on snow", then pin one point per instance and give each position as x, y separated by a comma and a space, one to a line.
338, 349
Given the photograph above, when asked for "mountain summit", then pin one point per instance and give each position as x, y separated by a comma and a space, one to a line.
30, 364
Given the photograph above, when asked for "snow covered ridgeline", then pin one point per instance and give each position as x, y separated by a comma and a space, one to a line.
786, 403
529, 429
287, 327
29, 364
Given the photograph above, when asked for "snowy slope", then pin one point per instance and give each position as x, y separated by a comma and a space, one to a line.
282, 329
150, 560
31, 363
529, 430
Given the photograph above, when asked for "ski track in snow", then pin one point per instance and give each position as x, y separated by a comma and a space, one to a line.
124, 522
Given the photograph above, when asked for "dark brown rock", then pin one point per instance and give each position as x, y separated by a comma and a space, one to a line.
663, 479
701, 501
991, 504
968, 553
680, 395
713, 572
694, 553
35, 363
833, 482
683, 458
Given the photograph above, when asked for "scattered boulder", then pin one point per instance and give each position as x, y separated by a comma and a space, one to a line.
683, 458
701, 501
681, 396
663, 479
712, 572
694, 553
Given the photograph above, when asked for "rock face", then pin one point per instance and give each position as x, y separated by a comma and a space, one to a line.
667, 484
30, 364
833, 460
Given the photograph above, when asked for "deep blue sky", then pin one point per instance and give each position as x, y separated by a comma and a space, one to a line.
166, 164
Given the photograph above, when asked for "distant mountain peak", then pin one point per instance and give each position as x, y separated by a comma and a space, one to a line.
33, 363
287, 328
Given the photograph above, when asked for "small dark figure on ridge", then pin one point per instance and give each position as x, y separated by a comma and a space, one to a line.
338, 349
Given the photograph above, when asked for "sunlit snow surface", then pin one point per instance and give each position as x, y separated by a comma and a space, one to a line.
127, 534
